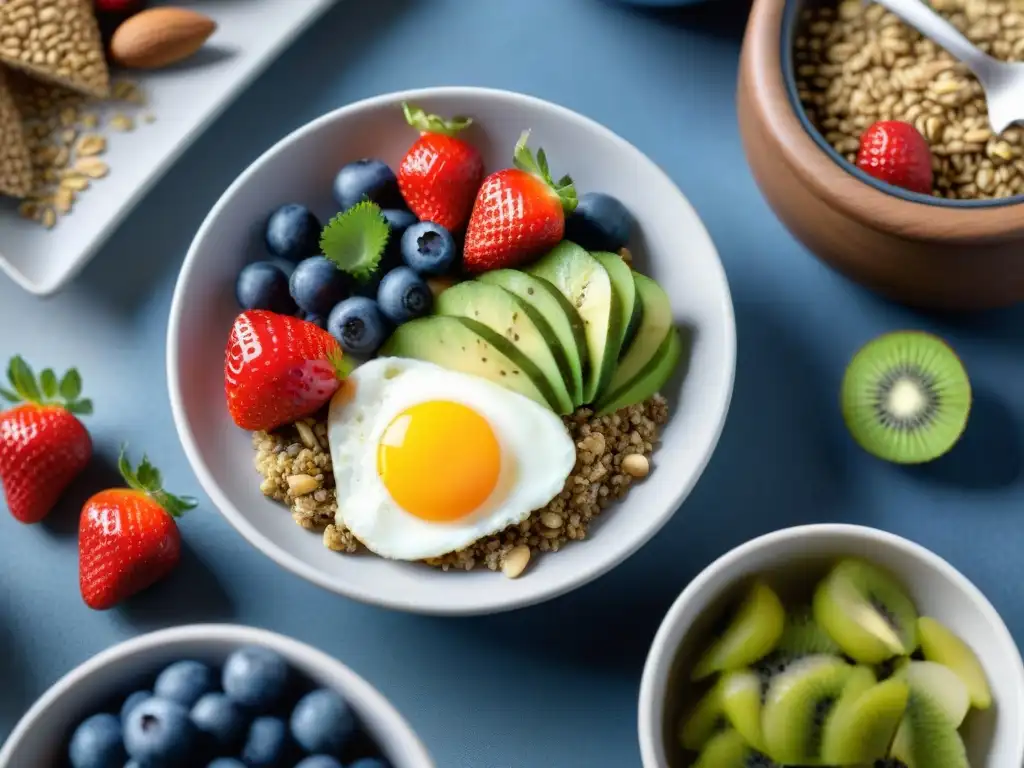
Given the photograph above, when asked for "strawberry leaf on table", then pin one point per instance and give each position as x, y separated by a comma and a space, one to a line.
146, 479
427, 123
354, 240
46, 390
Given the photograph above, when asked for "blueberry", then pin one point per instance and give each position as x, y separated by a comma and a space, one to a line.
185, 682
323, 722
97, 743
293, 233
317, 320
319, 761
599, 223
358, 325
317, 285
428, 248
264, 285
217, 716
266, 745
255, 678
226, 762
403, 295
399, 220
370, 762
131, 703
159, 734
367, 179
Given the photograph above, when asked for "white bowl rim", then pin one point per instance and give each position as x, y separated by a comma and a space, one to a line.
234, 633
660, 650
594, 568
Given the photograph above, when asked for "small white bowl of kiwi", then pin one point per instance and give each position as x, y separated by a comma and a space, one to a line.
832, 645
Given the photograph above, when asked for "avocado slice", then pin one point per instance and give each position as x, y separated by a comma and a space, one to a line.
585, 283
555, 317
521, 340
622, 284
655, 322
650, 379
458, 345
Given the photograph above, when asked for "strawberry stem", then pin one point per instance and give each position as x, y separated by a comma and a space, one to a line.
46, 390
524, 160
146, 479
427, 123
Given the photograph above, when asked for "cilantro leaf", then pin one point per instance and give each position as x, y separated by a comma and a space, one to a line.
355, 239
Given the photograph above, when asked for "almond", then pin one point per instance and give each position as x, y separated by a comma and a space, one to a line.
158, 37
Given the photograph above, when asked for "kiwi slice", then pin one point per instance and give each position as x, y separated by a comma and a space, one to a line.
741, 702
804, 636
751, 634
939, 644
866, 611
939, 685
798, 703
728, 750
705, 720
865, 719
928, 737
906, 397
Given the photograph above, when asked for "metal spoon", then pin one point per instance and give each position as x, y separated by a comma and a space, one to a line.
1003, 82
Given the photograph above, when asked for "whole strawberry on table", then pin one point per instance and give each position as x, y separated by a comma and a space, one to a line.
43, 445
128, 538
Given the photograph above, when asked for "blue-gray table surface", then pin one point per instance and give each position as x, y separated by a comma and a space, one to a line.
554, 685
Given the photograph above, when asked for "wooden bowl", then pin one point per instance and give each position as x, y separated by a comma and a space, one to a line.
916, 249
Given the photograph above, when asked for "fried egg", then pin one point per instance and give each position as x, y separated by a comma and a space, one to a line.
428, 461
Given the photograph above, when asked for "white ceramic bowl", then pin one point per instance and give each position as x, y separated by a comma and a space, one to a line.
795, 557
672, 246
40, 737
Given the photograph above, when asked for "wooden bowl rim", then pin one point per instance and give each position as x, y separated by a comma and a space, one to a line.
835, 185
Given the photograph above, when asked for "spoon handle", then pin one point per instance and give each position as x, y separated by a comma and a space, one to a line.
933, 26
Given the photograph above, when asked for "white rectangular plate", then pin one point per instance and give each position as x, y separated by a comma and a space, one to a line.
184, 100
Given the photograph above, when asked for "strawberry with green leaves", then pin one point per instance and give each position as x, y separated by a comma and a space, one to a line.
519, 213
127, 537
279, 369
43, 445
441, 173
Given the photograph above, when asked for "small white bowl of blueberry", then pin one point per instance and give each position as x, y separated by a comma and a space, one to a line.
213, 696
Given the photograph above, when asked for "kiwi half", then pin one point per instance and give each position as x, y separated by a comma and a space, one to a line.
906, 397
866, 612
940, 645
751, 634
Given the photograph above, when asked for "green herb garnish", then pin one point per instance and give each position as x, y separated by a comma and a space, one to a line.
354, 240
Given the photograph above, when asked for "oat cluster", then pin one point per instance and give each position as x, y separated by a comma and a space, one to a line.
53, 76
858, 63
611, 453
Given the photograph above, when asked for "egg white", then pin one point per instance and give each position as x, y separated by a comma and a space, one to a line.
537, 456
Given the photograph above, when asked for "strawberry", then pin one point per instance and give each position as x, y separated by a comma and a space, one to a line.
440, 174
43, 446
278, 369
123, 7
894, 152
127, 537
519, 213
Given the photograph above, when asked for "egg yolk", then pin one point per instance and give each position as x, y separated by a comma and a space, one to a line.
439, 460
